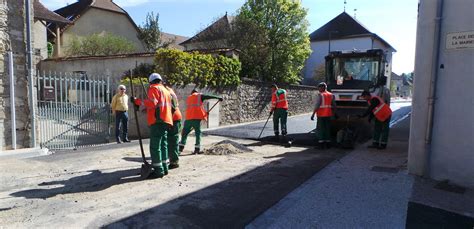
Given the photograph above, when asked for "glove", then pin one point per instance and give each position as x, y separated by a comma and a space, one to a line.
132, 99
221, 99
312, 117
271, 112
136, 107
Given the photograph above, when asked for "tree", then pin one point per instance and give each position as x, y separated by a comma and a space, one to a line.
99, 44
150, 33
273, 39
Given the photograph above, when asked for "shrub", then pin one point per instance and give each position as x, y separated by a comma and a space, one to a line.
204, 70
100, 44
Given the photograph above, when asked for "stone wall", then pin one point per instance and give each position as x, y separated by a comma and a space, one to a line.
251, 101
12, 37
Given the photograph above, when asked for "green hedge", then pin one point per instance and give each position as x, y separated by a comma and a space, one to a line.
204, 70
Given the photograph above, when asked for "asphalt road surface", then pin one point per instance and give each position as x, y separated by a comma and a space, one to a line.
300, 128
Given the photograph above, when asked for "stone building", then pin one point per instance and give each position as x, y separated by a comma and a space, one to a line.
91, 17
13, 38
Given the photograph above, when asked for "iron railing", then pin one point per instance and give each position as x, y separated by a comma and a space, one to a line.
73, 110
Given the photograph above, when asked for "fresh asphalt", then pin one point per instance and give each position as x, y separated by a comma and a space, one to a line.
300, 128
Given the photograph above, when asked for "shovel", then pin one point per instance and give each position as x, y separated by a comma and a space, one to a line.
146, 169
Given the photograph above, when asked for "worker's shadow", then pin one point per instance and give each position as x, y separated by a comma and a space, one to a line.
95, 181
138, 159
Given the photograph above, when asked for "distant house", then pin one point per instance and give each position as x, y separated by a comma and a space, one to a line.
174, 40
342, 33
43, 17
99, 16
213, 39
400, 85
90, 17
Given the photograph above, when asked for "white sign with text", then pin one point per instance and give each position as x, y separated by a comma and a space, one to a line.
460, 40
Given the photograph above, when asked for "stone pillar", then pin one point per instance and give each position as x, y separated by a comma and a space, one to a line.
57, 48
12, 37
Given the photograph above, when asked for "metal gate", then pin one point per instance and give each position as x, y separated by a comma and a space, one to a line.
73, 110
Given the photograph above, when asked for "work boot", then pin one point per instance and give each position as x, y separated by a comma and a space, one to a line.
118, 141
126, 140
197, 151
180, 148
173, 165
155, 175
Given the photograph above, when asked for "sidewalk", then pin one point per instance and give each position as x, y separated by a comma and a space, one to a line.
365, 189
371, 189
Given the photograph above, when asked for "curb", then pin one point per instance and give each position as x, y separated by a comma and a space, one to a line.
24, 153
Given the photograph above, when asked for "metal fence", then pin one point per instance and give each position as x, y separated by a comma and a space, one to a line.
73, 110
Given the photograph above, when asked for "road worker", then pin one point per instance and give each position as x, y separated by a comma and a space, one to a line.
325, 109
279, 109
382, 113
160, 120
173, 134
195, 112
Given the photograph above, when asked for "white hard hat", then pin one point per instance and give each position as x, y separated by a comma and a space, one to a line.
154, 76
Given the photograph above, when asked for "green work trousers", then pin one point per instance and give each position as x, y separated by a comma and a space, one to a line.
381, 130
173, 140
280, 116
188, 126
323, 127
159, 147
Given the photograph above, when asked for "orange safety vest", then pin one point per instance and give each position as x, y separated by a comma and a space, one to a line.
382, 111
279, 101
158, 98
194, 107
177, 116
325, 108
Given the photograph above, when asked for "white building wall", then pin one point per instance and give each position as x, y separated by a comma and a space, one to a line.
320, 49
452, 155
110, 66
40, 40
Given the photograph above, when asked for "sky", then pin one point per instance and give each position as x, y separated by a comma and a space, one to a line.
393, 20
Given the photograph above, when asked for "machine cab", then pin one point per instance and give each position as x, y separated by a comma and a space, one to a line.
349, 73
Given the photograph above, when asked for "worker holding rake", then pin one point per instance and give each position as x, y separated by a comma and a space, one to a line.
195, 113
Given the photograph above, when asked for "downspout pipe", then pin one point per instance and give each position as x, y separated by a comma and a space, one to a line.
31, 96
12, 98
433, 86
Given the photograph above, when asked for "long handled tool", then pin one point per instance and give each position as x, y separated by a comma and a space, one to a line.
209, 111
146, 169
265, 125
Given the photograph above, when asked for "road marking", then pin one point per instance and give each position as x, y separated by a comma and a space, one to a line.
395, 122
